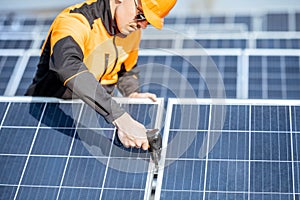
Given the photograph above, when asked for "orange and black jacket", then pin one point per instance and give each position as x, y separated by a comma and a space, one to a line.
82, 56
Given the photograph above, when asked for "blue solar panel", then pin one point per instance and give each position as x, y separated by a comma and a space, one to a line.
247, 20
297, 16
15, 44
152, 44
217, 20
7, 192
215, 43
7, 65
30, 22
49, 151
170, 20
28, 75
76, 193
193, 20
251, 157
274, 77
277, 22
167, 72
278, 43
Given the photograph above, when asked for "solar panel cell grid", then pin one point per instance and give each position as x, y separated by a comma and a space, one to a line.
152, 44
44, 152
254, 156
217, 20
297, 21
193, 20
277, 22
7, 65
27, 75
274, 77
15, 44
247, 20
215, 43
278, 43
193, 83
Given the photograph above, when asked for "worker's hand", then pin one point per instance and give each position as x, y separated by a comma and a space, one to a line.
143, 95
131, 133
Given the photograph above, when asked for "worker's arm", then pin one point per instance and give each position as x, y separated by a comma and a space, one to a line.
67, 62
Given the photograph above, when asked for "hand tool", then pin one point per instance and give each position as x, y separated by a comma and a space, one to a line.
155, 145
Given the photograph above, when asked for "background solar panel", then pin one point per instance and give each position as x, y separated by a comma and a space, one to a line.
277, 22
15, 44
160, 43
217, 20
297, 21
278, 43
274, 77
48, 152
244, 19
215, 43
252, 158
165, 75
28, 75
7, 65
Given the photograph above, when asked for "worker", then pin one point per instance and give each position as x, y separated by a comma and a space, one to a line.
91, 48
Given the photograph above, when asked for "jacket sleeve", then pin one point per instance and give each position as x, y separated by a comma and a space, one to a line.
67, 61
128, 81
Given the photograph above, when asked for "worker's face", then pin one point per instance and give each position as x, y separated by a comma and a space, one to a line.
129, 16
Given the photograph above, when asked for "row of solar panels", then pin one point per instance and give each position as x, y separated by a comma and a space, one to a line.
279, 21
267, 74
169, 39
212, 149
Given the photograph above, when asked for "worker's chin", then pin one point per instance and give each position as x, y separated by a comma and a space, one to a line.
127, 30
121, 35
124, 32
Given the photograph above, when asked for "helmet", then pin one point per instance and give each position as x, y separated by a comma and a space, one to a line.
156, 10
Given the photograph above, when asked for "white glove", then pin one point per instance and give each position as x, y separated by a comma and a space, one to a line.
143, 95
131, 133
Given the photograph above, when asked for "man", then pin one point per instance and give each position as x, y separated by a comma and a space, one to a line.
91, 48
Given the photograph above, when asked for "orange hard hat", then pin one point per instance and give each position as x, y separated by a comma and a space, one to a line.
156, 10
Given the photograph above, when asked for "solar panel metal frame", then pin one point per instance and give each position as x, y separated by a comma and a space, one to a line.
217, 102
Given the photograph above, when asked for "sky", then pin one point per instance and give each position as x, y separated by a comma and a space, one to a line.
183, 7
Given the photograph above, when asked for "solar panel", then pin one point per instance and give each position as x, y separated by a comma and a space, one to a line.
170, 20
28, 75
274, 76
297, 21
49, 151
15, 44
7, 65
244, 19
151, 44
276, 22
215, 43
217, 19
278, 43
192, 20
230, 149
187, 75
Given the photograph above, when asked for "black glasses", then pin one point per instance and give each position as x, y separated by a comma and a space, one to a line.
140, 17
